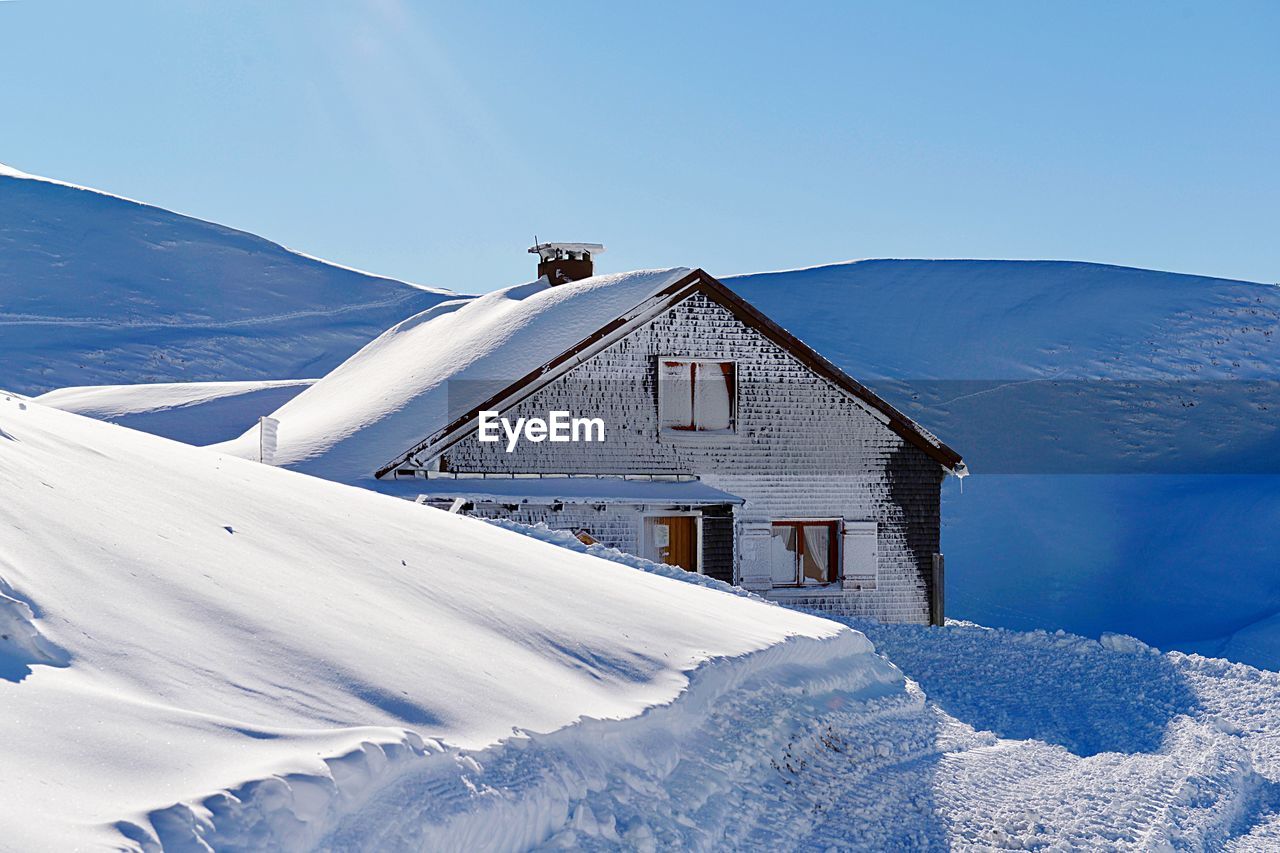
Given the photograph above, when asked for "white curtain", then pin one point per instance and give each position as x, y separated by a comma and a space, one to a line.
817, 553
713, 396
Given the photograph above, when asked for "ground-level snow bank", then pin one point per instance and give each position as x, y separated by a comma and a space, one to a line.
197, 624
710, 768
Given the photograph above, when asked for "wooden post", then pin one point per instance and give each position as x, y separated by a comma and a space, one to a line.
938, 590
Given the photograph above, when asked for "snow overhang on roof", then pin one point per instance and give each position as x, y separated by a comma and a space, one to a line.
569, 490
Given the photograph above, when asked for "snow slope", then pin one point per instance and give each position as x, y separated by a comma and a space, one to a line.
1120, 425
192, 412
97, 289
1024, 741
428, 370
179, 623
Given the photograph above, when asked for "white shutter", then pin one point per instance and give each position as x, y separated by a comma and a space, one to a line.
754, 541
858, 550
675, 394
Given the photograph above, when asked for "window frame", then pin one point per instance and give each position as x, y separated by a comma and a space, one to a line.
833, 526
692, 431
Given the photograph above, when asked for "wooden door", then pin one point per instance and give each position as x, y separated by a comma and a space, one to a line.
675, 539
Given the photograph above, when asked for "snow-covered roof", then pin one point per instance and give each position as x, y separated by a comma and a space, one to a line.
436, 366
544, 490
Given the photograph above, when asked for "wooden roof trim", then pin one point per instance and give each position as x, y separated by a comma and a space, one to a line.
698, 281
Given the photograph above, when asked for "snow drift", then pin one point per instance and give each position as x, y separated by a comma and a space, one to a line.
1120, 425
203, 649
191, 412
97, 289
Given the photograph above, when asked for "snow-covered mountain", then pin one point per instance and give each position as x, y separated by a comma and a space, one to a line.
1122, 427
96, 289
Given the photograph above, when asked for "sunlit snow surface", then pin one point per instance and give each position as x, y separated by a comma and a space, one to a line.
204, 650
177, 622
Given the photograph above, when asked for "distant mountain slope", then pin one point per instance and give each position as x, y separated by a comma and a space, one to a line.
1122, 427
191, 412
98, 290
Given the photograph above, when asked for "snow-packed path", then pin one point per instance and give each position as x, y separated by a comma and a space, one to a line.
1094, 745
793, 766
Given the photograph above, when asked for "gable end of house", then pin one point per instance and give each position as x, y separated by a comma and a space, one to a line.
696, 282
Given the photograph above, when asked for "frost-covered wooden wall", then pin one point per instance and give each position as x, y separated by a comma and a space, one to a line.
803, 448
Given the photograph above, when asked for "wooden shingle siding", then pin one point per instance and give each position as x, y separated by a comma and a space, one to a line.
803, 449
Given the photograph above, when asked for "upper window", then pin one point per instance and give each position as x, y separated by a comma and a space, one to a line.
803, 553
697, 395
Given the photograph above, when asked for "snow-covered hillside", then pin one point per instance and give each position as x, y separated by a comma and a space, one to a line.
1120, 425
176, 623
193, 412
96, 289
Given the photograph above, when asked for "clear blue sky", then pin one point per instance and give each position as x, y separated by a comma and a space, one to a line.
431, 141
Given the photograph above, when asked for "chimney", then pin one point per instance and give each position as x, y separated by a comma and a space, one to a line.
565, 262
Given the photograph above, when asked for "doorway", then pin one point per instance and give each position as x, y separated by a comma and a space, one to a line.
672, 539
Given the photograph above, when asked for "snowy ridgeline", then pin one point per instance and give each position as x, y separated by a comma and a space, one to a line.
259, 659
97, 289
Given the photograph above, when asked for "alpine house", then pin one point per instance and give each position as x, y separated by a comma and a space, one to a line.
656, 412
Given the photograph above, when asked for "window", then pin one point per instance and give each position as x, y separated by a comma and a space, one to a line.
803, 553
696, 396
